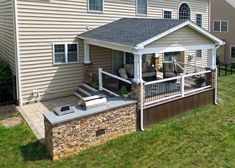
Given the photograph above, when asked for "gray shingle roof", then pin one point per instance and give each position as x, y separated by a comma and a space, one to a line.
131, 31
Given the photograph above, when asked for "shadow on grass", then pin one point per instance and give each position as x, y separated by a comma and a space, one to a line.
34, 151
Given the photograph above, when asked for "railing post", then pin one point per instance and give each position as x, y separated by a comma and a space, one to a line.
100, 79
182, 85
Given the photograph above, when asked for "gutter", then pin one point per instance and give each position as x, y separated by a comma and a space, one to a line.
17, 53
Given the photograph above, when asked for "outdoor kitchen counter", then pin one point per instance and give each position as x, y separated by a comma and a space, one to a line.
79, 112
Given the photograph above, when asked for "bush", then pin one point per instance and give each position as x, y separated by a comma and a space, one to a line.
5, 71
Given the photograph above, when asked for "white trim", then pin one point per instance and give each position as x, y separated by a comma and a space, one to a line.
220, 31
162, 80
231, 46
209, 18
66, 52
110, 92
17, 53
175, 49
137, 68
198, 89
86, 53
95, 11
197, 73
100, 79
163, 99
179, 9
167, 10
186, 23
136, 7
106, 44
116, 77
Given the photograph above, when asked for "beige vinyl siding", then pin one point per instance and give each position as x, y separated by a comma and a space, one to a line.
101, 58
200, 62
7, 44
43, 22
185, 36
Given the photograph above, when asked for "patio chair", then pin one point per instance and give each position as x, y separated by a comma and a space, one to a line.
169, 70
122, 73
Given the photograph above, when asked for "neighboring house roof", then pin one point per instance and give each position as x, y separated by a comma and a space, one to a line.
140, 31
231, 2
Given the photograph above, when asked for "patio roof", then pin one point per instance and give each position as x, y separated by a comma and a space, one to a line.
139, 32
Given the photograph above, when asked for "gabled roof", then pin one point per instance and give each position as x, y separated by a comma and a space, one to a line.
131, 31
231, 2
139, 32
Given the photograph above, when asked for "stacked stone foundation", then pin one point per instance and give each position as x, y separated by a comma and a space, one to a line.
77, 135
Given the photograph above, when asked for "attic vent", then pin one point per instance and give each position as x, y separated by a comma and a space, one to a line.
100, 132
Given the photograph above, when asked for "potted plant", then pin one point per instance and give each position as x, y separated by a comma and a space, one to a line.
199, 81
124, 92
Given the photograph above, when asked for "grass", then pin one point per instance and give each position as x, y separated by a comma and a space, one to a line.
204, 137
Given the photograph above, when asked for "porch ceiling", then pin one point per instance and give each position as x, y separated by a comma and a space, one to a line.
135, 34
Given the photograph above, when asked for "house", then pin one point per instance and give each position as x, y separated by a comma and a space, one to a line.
222, 21
161, 52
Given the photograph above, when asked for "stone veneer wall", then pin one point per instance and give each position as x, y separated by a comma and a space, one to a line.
74, 136
88, 77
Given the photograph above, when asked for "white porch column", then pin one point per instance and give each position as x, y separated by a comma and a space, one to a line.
86, 53
137, 68
212, 59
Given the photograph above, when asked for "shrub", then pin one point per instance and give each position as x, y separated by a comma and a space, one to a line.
5, 71
124, 90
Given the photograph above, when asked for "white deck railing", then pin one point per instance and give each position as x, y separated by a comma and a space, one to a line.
170, 88
101, 86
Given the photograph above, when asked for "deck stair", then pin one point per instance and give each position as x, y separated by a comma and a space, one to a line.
85, 90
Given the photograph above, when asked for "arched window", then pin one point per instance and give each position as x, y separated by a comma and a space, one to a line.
184, 11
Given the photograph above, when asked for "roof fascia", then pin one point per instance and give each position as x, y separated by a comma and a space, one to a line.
186, 23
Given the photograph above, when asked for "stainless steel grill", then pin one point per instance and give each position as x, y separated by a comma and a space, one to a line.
93, 101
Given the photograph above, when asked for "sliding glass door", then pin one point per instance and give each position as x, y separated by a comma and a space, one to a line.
117, 60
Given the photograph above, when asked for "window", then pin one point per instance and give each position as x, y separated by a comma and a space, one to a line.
199, 54
232, 51
167, 14
141, 7
220, 26
184, 11
129, 58
65, 53
217, 26
224, 26
95, 5
199, 19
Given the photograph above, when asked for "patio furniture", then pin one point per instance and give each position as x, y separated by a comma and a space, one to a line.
170, 70
147, 71
122, 73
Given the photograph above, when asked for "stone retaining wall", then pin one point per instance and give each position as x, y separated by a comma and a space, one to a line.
74, 136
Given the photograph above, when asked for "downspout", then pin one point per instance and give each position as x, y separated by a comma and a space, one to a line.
141, 97
141, 107
17, 53
216, 78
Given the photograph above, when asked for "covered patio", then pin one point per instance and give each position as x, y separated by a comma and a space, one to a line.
167, 47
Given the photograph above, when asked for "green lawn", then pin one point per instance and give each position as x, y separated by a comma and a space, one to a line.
201, 138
